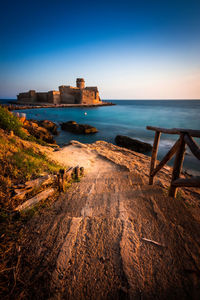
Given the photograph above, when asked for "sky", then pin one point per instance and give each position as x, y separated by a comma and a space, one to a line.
144, 49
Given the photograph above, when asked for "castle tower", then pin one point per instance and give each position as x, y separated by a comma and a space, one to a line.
80, 83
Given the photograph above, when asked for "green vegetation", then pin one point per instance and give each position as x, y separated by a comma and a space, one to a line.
25, 164
9, 122
32, 138
20, 161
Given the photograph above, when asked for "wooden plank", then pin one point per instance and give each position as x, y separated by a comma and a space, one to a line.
31, 202
44, 180
187, 182
178, 163
167, 157
33, 184
163, 130
154, 155
192, 132
20, 194
192, 145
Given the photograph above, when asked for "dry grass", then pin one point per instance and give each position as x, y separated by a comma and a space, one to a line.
19, 161
11, 236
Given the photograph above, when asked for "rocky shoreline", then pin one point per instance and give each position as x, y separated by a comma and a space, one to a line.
21, 106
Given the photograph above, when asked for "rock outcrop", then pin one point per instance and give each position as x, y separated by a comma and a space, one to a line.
132, 144
72, 126
49, 125
39, 132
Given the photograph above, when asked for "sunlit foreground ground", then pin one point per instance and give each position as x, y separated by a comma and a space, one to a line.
112, 236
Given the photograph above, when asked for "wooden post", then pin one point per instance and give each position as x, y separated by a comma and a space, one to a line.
154, 155
81, 171
61, 180
167, 157
178, 163
77, 172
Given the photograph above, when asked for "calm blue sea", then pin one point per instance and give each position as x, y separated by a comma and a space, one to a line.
128, 117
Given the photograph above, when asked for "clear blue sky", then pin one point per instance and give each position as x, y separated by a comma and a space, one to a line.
143, 49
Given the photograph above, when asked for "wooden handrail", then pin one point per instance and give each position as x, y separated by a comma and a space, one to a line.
178, 163
191, 132
178, 149
192, 145
154, 155
167, 157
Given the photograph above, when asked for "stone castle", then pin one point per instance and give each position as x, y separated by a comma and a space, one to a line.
66, 95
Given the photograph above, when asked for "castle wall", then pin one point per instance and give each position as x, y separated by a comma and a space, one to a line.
54, 97
97, 98
70, 95
42, 97
90, 95
23, 97
28, 97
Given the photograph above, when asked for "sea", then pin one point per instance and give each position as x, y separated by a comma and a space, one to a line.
130, 118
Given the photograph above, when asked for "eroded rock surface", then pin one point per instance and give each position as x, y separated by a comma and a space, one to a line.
72, 126
132, 144
49, 125
39, 132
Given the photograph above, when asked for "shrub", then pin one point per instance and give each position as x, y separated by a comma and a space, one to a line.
9, 122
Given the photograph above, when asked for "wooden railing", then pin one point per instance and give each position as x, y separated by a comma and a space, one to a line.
185, 137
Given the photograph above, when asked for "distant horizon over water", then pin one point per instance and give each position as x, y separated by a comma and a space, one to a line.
2, 100
130, 118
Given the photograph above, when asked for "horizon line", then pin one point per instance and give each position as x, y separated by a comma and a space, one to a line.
132, 99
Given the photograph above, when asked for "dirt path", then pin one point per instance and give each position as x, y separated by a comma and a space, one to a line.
93, 243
